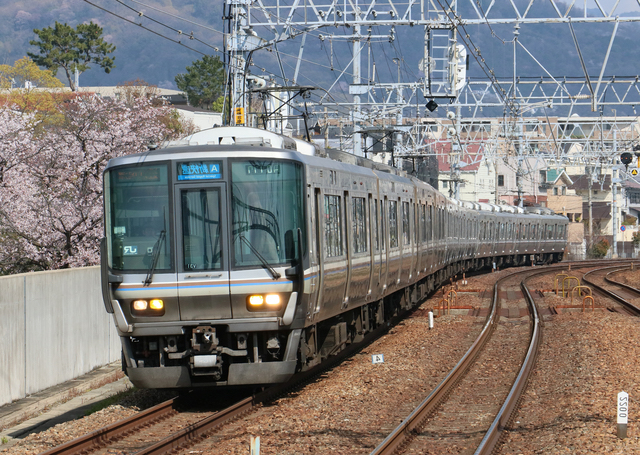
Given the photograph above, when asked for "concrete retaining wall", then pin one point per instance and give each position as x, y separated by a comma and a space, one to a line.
53, 327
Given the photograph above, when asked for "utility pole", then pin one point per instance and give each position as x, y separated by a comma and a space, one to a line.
614, 195
589, 171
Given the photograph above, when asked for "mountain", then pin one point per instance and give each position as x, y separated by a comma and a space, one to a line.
141, 54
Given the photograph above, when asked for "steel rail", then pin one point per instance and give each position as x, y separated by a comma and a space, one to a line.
403, 432
410, 425
98, 438
494, 433
632, 308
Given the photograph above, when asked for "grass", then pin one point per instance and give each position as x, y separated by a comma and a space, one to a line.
4, 440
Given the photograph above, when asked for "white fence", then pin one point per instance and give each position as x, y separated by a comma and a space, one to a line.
53, 328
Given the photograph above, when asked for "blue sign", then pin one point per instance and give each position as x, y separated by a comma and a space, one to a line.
622, 228
200, 170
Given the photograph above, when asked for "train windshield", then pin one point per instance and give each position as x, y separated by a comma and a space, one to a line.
137, 218
267, 211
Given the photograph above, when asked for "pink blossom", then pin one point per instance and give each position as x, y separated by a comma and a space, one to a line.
51, 178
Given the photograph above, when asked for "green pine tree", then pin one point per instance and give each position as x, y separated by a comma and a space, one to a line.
62, 46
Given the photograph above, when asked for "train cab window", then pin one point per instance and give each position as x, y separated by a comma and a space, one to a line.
358, 225
406, 224
393, 224
137, 218
201, 229
267, 208
333, 226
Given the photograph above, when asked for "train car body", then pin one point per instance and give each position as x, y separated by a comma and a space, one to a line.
252, 256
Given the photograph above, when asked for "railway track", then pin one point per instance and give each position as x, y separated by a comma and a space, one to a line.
488, 381
207, 422
153, 431
626, 296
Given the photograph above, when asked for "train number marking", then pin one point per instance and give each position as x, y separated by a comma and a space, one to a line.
377, 358
130, 250
623, 408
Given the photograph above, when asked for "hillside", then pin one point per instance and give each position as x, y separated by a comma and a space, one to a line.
139, 54
145, 55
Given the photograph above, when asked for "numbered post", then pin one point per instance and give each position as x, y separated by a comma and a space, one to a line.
623, 414
377, 358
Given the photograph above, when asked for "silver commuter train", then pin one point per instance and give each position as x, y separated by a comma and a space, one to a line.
243, 260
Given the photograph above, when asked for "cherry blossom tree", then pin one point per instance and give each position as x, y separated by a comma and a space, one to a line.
51, 177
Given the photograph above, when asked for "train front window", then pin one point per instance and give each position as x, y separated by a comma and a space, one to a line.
137, 218
201, 229
267, 211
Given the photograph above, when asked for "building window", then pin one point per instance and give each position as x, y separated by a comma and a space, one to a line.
500, 180
555, 190
543, 176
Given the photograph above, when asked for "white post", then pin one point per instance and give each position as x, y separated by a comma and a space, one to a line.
623, 414
430, 320
255, 445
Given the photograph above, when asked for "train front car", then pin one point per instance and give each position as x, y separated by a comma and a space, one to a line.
202, 264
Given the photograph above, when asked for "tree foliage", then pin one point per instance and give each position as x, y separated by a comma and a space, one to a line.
599, 249
26, 74
62, 46
203, 82
51, 177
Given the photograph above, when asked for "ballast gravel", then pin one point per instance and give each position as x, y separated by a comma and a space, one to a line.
569, 406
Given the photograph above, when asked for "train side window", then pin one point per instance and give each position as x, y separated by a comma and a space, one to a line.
358, 226
333, 226
406, 224
393, 224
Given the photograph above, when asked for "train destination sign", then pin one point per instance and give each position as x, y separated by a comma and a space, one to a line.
200, 170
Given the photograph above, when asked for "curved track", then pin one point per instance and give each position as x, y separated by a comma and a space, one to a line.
488, 382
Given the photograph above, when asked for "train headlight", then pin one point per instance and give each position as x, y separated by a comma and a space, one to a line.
272, 300
142, 307
156, 304
263, 302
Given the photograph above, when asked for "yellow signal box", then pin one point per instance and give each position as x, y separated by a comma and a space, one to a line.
239, 115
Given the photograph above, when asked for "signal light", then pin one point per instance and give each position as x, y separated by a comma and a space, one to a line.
432, 105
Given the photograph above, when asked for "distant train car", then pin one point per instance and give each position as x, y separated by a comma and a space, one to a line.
251, 256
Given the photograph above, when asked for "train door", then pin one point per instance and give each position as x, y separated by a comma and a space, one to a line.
374, 234
319, 241
203, 252
359, 277
382, 224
